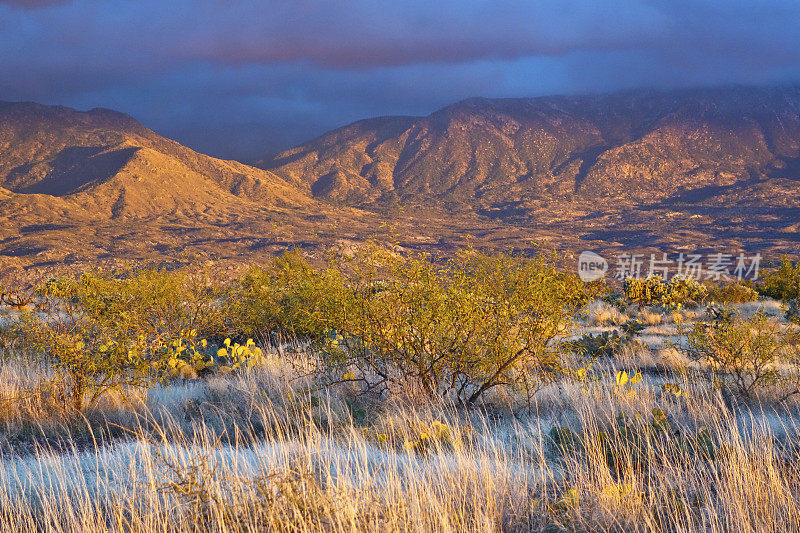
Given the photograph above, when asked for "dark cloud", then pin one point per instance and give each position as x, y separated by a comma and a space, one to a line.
242, 77
32, 4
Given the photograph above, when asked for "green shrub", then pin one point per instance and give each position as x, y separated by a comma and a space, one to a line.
647, 291
458, 328
783, 283
632, 327
721, 313
743, 354
291, 299
107, 331
616, 299
90, 359
605, 344
732, 293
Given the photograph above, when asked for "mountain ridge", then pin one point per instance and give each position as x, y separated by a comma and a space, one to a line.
569, 144
701, 169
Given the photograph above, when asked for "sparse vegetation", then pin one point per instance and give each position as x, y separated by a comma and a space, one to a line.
783, 283
731, 293
455, 330
744, 354
676, 292
389, 391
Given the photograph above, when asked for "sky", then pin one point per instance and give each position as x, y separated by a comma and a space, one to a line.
243, 78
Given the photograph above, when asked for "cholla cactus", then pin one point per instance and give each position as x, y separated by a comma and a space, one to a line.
655, 291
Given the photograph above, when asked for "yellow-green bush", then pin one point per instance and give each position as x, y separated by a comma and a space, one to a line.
744, 355
453, 329
782, 283
289, 298
107, 330
654, 290
731, 293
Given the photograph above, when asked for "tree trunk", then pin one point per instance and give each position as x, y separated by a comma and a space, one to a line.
78, 389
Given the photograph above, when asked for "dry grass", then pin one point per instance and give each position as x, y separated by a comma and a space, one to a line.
261, 452
600, 313
649, 318
265, 450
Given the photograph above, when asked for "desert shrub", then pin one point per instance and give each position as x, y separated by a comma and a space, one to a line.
684, 291
156, 303
605, 344
721, 313
90, 359
783, 283
743, 355
793, 312
477, 322
647, 291
653, 290
615, 299
107, 331
457, 328
289, 298
731, 293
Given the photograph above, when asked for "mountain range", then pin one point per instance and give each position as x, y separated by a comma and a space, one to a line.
699, 169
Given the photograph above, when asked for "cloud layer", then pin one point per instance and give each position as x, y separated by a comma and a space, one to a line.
240, 78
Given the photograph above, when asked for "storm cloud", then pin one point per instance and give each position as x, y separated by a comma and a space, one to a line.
241, 78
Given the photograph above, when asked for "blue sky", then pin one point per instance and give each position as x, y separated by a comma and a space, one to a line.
241, 78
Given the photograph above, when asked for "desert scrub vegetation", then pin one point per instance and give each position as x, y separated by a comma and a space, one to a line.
107, 331
453, 329
388, 391
783, 282
735, 292
745, 354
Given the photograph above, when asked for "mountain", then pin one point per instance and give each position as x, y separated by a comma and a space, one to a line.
635, 146
696, 171
82, 186
111, 166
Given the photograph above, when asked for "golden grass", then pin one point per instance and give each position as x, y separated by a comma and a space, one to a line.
599, 313
265, 450
649, 318
260, 451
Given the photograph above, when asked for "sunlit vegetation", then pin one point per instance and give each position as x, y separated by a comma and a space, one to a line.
382, 390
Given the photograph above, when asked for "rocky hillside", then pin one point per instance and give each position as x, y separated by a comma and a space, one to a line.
638, 171
110, 166
632, 147
84, 186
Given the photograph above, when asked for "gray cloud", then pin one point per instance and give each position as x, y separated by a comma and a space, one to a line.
229, 76
33, 4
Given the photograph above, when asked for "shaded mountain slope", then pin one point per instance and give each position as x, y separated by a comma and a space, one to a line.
79, 187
